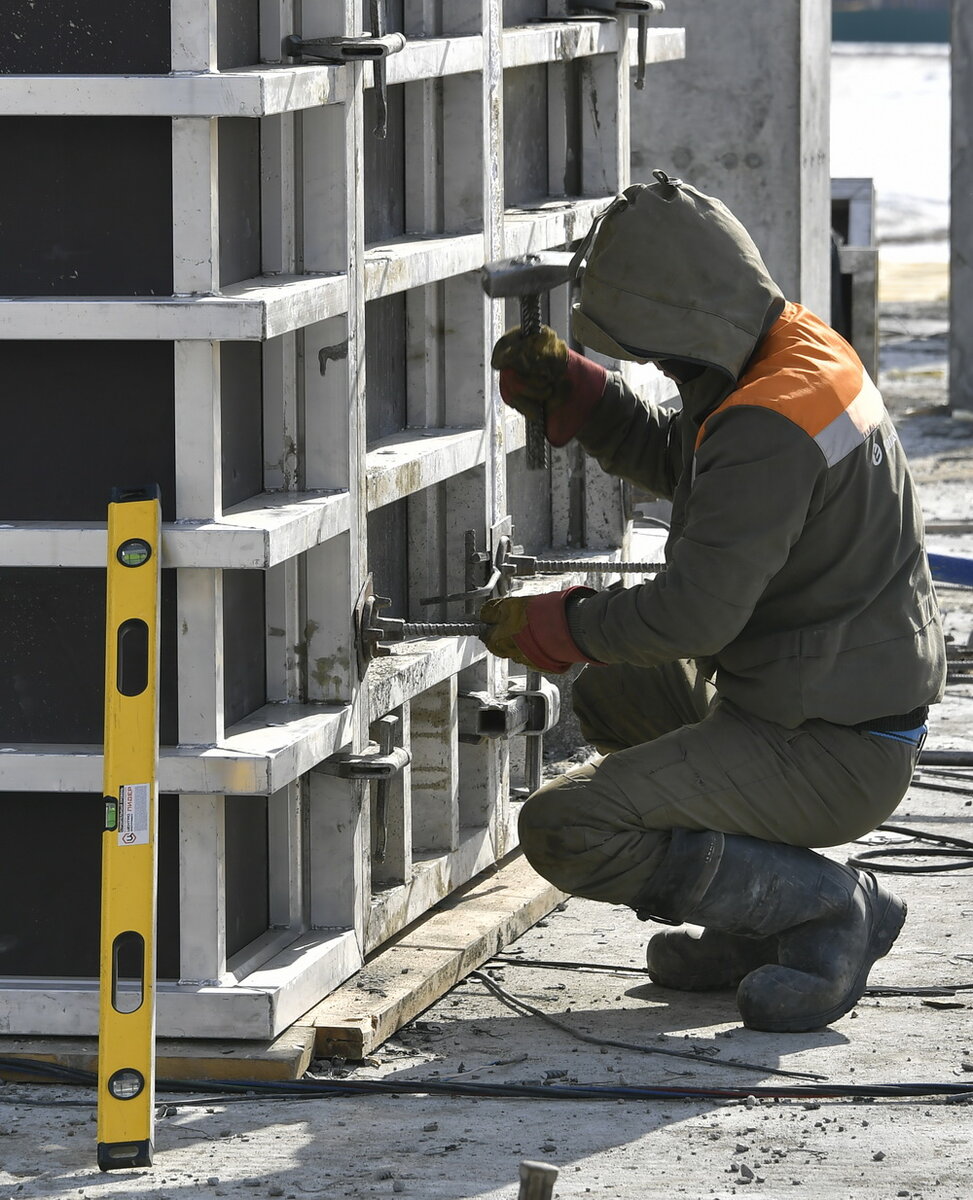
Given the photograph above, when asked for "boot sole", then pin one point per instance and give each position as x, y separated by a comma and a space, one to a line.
884, 934
687, 977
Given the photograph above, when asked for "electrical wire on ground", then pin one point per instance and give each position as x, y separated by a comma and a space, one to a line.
219, 1091
944, 989
522, 1007
870, 859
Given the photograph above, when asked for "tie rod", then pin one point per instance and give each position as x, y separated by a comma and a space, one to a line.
498, 570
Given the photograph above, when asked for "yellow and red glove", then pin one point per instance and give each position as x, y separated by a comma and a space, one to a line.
533, 630
541, 377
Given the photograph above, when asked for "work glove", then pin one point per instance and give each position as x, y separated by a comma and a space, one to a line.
533, 630
541, 377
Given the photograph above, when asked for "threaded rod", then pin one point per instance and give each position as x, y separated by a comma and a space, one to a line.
560, 566
443, 628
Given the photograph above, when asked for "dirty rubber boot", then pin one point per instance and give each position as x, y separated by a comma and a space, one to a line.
832, 922
823, 964
705, 961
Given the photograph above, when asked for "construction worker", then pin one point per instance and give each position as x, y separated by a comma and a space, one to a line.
767, 692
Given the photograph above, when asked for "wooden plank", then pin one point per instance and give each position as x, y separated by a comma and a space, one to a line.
441, 949
286, 1057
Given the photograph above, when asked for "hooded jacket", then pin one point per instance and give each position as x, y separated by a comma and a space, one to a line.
796, 573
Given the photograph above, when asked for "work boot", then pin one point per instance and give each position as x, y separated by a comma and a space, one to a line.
832, 922
705, 960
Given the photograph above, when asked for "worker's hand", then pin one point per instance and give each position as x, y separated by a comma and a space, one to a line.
533, 630
541, 377
531, 370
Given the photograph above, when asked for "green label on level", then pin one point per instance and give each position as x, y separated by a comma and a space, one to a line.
111, 813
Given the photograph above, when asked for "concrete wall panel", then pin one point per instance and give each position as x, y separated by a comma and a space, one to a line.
745, 117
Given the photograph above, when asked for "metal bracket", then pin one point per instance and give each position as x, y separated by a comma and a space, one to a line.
373, 47
508, 563
623, 8
373, 633
481, 562
376, 630
377, 763
345, 49
484, 717
374, 762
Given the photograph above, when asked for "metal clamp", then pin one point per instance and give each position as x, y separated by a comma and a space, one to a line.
483, 717
621, 8
345, 49
377, 763
508, 563
372, 47
373, 633
497, 581
372, 763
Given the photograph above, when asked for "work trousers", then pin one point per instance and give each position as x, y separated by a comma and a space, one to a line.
679, 757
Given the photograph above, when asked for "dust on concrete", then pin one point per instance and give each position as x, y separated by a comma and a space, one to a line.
631, 1148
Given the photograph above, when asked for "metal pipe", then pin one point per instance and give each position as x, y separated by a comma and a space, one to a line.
946, 758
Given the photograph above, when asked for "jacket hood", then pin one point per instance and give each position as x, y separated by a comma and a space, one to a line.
671, 273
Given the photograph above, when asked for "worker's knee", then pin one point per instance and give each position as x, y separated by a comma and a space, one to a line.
547, 831
587, 843
557, 854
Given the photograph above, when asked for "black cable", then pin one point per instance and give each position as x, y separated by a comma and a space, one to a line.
259, 1090
933, 785
522, 1007
869, 858
945, 758
945, 989
574, 967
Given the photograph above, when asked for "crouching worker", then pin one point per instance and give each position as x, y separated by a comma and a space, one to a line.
768, 692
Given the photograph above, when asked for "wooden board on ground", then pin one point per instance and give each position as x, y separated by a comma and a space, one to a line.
286, 1057
404, 978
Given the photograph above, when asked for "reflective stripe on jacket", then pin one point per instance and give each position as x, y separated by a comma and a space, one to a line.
804, 372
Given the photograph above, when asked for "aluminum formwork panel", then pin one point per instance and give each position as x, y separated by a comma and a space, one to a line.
299, 352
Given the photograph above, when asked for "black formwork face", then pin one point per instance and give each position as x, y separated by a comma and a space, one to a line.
76, 37
50, 904
88, 209
50, 892
52, 656
237, 33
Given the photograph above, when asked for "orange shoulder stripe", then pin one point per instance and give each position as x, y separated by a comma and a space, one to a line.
810, 375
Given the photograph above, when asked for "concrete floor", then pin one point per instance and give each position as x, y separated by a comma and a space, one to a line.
430, 1146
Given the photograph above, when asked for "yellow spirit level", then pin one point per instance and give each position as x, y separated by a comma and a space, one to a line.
126, 1027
